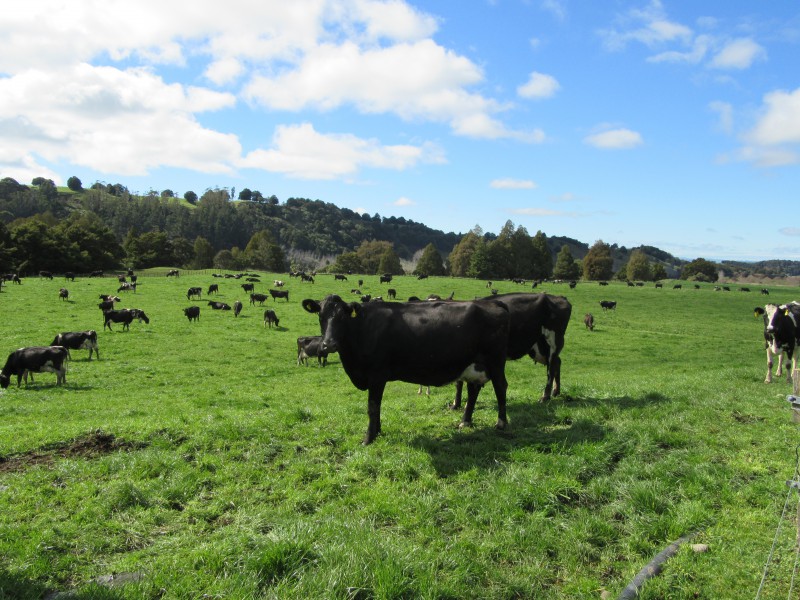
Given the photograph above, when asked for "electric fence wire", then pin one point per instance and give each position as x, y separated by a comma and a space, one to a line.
793, 486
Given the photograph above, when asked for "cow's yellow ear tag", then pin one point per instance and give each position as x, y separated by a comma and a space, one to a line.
786, 313
354, 314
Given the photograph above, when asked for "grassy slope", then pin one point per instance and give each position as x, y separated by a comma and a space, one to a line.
235, 473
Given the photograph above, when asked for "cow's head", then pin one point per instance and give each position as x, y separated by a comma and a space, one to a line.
4, 380
335, 317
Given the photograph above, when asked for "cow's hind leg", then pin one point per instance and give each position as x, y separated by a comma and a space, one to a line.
500, 385
374, 411
457, 401
473, 389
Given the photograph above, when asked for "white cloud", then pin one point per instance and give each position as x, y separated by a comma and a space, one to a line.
694, 55
615, 139
648, 26
775, 138
404, 202
539, 85
513, 184
790, 231
738, 54
300, 151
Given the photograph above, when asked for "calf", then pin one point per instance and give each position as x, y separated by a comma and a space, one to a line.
192, 313
270, 317
194, 292
279, 294
608, 304
63, 293
237, 308
766, 314
78, 340
36, 359
427, 343
784, 326
213, 288
218, 305
124, 316
588, 320
309, 346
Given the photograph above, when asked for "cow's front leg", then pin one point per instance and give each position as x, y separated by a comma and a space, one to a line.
457, 402
500, 385
374, 411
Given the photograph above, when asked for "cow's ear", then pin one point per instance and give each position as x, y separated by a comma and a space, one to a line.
355, 308
311, 306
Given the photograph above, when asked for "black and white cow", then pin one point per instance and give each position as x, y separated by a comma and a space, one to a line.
608, 304
784, 326
538, 326
308, 346
127, 287
237, 308
427, 343
766, 313
219, 305
124, 316
194, 292
173, 273
212, 289
63, 293
279, 294
270, 317
192, 313
36, 359
78, 340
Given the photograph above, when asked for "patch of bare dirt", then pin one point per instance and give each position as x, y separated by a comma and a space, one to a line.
91, 445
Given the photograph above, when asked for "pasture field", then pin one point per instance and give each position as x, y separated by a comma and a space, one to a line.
197, 460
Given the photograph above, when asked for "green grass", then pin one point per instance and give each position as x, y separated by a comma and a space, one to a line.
201, 459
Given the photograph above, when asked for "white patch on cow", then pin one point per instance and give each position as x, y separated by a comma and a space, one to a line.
472, 375
538, 353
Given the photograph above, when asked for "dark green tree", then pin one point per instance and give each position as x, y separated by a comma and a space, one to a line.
700, 269
461, 255
347, 262
203, 253
566, 267
74, 184
638, 267
598, 263
245, 194
190, 197
262, 252
430, 263
543, 259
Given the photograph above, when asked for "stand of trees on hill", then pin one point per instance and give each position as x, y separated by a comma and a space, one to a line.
106, 227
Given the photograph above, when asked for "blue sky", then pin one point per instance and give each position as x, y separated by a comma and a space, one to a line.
668, 123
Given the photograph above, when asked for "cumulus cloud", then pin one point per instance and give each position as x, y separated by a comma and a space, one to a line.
649, 26
775, 138
513, 184
738, 54
404, 202
300, 151
614, 139
539, 85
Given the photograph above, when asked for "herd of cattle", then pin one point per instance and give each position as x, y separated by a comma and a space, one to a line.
378, 342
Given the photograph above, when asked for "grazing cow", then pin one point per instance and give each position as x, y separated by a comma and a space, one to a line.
744, 289
421, 276
173, 273
304, 277
260, 298
391, 293
360, 283
78, 340
764, 292
35, 359
277, 283
121, 279
109, 297
63, 293
337, 277
96, 274
45, 274
573, 285
309, 346
385, 278
194, 292
608, 304
677, 286
192, 313
124, 316
784, 326
218, 305
588, 320
127, 287
106, 305
427, 343
248, 287
212, 289
538, 326
270, 317
69, 275
237, 308
602, 283
766, 314
279, 294
659, 285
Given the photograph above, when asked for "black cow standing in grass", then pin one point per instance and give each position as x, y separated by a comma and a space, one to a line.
279, 294
192, 313
430, 343
124, 316
78, 340
194, 292
36, 359
237, 308
270, 317
311, 345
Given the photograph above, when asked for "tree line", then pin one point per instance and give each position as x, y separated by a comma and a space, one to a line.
107, 227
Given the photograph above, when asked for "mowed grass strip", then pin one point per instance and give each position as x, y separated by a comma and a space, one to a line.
201, 461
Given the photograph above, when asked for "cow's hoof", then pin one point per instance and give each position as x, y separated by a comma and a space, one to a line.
544, 399
464, 424
454, 406
501, 425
